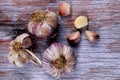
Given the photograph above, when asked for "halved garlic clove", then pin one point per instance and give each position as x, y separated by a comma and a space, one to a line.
91, 36
81, 22
74, 37
65, 9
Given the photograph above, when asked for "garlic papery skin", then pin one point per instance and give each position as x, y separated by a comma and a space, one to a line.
42, 24
19, 54
58, 60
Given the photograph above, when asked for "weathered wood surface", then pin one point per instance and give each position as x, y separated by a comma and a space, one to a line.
95, 61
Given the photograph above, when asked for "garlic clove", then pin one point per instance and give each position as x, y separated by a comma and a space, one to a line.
91, 36
25, 40
65, 9
21, 37
74, 37
81, 22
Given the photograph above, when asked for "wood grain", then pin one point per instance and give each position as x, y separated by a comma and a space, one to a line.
95, 61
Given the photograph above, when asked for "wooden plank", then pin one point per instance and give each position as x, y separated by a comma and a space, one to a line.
95, 61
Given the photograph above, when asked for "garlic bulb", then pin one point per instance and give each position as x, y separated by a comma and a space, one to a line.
58, 60
19, 54
42, 24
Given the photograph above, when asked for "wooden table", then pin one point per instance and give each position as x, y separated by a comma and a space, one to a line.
95, 61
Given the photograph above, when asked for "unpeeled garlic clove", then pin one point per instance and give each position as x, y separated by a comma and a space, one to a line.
81, 22
65, 9
74, 37
25, 40
91, 36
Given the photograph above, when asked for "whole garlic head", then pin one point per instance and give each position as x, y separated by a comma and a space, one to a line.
58, 60
19, 54
42, 24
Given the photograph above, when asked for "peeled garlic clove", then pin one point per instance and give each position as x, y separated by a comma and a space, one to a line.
57, 58
25, 40
73, 37
81, 22
91, 36
65, 9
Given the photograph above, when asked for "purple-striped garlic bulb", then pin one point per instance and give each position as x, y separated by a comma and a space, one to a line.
42, 24
58, 60
19, 53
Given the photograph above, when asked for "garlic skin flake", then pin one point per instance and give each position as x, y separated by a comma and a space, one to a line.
19, 54
58, 60
42, 23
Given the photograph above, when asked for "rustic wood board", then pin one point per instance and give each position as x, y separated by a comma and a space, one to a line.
95, 61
